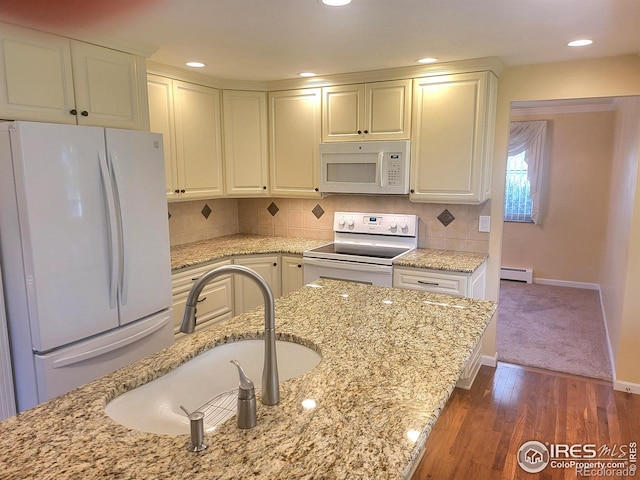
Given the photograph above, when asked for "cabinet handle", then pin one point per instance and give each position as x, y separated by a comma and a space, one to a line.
299, 265
264, 187
431, 284
359, 132
366, 131
201, 300
84, 113
182, 191
177, 191
275, 264
73, 112
412, 191
316, 189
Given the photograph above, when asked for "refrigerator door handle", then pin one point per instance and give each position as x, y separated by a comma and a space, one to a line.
111, 226
80, 357
122, 215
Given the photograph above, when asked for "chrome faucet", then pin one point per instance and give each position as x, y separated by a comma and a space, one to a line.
270, 383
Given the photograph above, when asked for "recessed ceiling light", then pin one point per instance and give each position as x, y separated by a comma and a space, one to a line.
307, 74
195, 64
580, 43
336, 3
427, 60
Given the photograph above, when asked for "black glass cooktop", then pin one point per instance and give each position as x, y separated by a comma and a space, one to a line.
373, 251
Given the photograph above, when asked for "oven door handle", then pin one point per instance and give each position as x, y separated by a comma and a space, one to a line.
381, 163
339, 264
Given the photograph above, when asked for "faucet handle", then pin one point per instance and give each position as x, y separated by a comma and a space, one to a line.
246, 400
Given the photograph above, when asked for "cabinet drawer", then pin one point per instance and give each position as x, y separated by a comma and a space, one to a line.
215, 300
182, 281
430, 281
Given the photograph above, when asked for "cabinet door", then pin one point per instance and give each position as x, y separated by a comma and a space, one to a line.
247, 295
36, 80
292, 273
107, 87
452, 134
388, 110
342, 113
245, 143
198, 134
295, 135
161, 120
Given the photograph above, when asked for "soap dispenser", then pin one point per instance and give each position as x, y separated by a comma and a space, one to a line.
246, 400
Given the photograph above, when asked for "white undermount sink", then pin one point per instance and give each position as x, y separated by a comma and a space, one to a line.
208, 380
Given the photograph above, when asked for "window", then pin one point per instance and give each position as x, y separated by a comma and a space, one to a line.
517, 195
525, 167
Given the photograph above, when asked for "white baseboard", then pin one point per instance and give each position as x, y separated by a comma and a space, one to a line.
626, 387
489, 361
566, 283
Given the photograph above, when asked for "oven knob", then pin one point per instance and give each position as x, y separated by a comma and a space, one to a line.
403, 225
341, 221
393, 226
350, 222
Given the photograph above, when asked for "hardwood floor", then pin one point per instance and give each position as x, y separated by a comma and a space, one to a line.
480, 431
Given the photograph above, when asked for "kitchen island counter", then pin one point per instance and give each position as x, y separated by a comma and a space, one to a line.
390, 361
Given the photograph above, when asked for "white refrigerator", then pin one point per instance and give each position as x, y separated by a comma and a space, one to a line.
84, 249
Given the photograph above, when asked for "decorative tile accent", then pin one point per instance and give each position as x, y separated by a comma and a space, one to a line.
317, 211
446, 217
206, 211
273, 209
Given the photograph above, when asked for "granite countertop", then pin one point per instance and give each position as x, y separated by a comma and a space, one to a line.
390, 360
205, 251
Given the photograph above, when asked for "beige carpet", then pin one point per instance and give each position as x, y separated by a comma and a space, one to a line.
556, 328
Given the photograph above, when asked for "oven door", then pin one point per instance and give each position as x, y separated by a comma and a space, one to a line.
315, 268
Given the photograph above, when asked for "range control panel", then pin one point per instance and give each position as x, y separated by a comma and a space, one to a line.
404, 225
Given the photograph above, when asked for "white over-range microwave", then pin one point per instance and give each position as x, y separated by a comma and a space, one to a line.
365, 167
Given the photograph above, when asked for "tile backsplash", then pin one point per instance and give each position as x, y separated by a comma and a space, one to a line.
305, 218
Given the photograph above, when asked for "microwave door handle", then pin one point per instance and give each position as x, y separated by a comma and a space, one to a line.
381, 163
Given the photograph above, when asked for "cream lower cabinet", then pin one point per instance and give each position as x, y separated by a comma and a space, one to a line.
215, 303
247, 295
452, 138
370, 111
188, 116
246, 153
294, 133
292, 273
45, 77
470, 285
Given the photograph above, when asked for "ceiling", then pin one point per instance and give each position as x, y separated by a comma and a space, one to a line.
264, 40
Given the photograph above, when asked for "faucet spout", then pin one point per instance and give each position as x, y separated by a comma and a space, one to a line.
270, 381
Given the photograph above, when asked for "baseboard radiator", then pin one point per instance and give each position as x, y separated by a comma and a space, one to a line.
518, 274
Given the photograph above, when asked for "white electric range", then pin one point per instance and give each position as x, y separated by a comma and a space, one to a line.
364, 248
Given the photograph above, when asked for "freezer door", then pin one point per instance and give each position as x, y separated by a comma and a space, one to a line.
137, 164
70, 367
66, 241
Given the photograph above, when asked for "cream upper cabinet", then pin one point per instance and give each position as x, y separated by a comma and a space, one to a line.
452, 138
48, 78
371, 111
188, 116
161, 120
246, 160
294, 133
109, 87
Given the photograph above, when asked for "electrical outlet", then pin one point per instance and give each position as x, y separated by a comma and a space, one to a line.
484, 224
